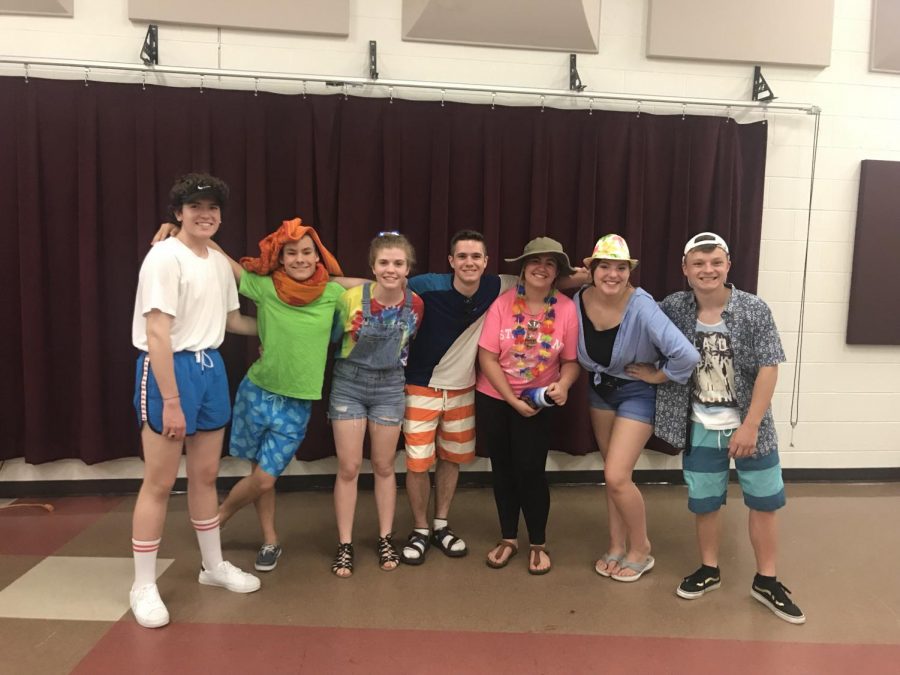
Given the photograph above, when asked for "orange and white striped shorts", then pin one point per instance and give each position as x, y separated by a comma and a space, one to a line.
441, 419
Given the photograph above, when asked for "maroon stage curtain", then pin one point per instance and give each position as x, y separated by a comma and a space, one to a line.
85, 171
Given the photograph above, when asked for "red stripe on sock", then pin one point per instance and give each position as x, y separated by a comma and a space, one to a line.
204, 527
144, 549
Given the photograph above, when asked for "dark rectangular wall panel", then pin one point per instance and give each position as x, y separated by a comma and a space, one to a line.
797, 32
874, 314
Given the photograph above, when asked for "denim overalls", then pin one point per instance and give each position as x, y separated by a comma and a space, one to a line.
369, 382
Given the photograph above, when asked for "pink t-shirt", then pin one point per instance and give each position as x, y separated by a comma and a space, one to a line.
496, 336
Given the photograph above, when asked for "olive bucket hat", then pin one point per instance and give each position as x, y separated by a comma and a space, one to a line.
546, 246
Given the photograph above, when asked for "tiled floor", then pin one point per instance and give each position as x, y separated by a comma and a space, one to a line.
73, 588
65, 574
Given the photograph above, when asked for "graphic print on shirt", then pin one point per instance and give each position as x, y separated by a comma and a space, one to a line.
714, 377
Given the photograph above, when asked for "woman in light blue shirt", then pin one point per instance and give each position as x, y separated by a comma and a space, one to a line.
628, 345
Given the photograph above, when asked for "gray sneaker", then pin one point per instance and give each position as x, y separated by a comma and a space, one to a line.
268, 557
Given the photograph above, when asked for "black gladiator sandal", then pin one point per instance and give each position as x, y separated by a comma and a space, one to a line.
387, 553
343, 560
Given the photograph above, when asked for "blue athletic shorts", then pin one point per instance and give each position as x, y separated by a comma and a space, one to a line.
706, 473
267, 428
360, 393
635, 401
202, 390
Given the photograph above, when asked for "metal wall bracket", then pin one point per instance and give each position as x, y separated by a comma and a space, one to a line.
373, 60
150, 48
574, 80
761, 89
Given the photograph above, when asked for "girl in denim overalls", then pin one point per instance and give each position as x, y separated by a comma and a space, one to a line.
375, 323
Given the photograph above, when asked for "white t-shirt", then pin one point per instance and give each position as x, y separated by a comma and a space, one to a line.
198, 292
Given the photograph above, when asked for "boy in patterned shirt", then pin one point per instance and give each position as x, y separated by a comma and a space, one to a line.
727, 403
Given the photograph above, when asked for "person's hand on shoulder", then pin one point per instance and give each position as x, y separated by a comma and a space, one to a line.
165, 231
581, 276
577, 279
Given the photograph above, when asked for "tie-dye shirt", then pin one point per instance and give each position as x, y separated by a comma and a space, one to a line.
349, 317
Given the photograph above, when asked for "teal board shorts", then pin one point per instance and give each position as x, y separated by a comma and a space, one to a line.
706, 467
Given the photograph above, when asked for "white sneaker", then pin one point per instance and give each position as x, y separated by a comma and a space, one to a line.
147, 607
228, 576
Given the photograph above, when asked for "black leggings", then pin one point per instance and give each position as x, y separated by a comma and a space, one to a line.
518, 448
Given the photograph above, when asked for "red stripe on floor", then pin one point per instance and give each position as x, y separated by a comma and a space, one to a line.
293, 649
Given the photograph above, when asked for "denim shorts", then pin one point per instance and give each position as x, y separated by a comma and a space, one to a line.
635, 401
360, 393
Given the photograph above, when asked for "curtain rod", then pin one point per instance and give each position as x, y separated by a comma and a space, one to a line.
341, 80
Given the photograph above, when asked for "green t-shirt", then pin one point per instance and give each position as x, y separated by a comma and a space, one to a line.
295, 339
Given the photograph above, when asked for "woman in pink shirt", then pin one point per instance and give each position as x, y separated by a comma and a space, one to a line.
528, 343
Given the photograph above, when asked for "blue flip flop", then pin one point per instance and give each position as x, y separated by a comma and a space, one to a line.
608, 559
638, 567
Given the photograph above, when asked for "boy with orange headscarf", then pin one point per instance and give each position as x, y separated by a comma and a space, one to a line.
295, 295
292, 285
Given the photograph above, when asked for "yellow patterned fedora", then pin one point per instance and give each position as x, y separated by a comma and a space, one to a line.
611, 247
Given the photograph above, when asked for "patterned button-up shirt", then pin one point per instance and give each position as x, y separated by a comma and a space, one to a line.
756, 344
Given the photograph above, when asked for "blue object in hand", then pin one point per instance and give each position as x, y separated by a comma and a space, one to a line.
537, 397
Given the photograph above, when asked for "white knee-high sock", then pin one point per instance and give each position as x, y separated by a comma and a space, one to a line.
144, 561
210, 541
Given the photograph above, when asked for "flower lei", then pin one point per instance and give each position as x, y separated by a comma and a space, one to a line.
522, 341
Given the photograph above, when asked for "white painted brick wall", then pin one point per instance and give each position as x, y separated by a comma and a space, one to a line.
850, 395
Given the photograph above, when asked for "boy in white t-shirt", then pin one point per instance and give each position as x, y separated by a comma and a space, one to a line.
186, 299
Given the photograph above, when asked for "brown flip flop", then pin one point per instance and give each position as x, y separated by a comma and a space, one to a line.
503, 545
536, 560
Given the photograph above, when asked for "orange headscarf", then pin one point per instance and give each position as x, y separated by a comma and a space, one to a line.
291, 291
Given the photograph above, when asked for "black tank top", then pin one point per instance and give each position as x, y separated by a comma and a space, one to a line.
598, 343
